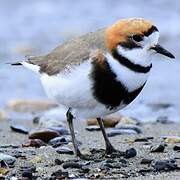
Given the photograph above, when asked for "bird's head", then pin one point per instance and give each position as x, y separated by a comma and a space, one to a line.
134, 37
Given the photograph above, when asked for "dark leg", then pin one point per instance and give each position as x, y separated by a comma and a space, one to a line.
109, 148
70, 123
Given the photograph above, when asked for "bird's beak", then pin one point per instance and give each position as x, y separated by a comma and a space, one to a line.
159, 49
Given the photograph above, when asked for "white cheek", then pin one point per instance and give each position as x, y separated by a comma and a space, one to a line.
151, 40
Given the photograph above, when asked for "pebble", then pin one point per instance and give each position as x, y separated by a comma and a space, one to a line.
176, 148
72, 165
60, 130
159, 106
34, 143
130, 153
58, 141
10, 160
47, 122
64, 150
128, 120
43, 134
164, 120
3, 171
143, 139
58, 161
23, 105
171, 139
27, 174
19, 128
130, 127
31, 168
108, 121
158, 148
146, 161
60, 174
166, 165
114, 132
93, 128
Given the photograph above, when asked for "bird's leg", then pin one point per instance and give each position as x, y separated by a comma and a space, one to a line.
70, 123
109, 148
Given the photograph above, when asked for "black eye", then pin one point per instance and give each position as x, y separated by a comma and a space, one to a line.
137, 37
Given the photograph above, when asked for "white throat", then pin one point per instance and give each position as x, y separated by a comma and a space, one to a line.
130, 79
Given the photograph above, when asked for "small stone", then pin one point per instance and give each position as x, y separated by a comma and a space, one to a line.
7, 158
164, 120
130, 153
31, 168
114, 132
108, 121
36, 159
166, 165
72, 165
158, 148
19, 128
143, 139
43, 134
172, 139
93, 128
146, 161
58, 161
27, 174
159, 106
3, 171
60, 174
60, 130
58, 141
129, 120
130, 127
36, 120
34, 143
64, 150
176, 148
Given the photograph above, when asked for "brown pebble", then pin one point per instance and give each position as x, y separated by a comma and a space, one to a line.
43, 134
34, 143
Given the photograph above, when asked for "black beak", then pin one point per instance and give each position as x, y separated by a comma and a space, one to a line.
159, 49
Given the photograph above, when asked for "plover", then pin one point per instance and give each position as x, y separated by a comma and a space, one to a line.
100, 72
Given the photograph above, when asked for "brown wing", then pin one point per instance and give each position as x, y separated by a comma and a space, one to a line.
70, 53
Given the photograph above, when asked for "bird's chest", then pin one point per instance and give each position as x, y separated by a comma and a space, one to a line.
115, 90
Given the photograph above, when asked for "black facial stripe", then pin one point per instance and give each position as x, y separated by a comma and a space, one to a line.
134, 67
129, 45
107, 90
150, 31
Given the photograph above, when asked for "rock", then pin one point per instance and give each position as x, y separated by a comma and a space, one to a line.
93, 128
58, 161
31, 168
71, 165
23, 105
129, 120
19, 128
158, 148
36, 120
130, 153
64, 150
60, 130
176, 148
143, 139
34, 143
114, 132
146, 161
166, 165
108, 121
27, 174
60, 174
7, 158
164, 120
131, 127
36, 159
58, 141
3, 171
50, 122
172, 139
43, 134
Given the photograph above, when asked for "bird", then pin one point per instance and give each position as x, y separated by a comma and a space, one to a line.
100, 72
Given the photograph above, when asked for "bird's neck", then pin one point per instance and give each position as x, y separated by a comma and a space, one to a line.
131, 75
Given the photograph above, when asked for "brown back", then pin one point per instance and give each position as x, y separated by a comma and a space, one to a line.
70, 53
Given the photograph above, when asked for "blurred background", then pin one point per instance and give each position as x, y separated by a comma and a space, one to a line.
37, 26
